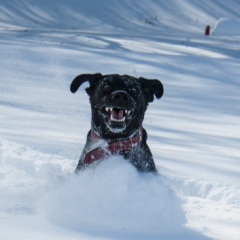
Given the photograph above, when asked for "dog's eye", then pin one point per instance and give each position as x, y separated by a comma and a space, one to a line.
107, 88
133, 90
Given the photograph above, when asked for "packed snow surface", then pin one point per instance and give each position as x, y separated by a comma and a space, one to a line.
193, 130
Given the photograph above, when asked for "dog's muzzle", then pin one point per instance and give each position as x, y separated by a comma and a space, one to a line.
117, 110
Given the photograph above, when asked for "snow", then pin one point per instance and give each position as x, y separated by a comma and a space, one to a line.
193, 130
111, 195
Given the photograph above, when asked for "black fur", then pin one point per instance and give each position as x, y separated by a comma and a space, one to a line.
128, 93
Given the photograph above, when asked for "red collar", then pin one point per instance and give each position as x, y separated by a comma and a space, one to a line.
112, 147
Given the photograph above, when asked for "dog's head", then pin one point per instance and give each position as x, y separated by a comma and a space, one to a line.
118, 102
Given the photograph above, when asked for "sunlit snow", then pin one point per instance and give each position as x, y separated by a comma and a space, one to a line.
193, 130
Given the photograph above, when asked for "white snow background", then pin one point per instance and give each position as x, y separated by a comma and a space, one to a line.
193, 131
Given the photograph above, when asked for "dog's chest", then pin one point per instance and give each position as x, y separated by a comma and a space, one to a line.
100, 149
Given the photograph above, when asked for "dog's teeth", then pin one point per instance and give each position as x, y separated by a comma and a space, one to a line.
107, 109
117, 120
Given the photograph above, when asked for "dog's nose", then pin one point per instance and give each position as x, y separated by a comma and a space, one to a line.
120, 97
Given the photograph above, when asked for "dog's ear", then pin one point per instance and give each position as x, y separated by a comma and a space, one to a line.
80, 79
152, 87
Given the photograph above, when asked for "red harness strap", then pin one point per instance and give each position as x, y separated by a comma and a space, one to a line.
112, 148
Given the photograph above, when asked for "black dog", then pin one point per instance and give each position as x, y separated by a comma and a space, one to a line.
118, 104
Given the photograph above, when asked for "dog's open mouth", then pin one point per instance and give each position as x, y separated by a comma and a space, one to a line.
117, 115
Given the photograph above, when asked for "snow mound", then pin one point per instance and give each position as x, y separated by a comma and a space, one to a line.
26, 175
227, 27
114, 196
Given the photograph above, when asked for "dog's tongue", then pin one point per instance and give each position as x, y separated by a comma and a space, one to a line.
117, 114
